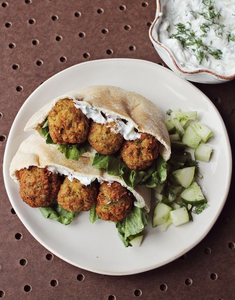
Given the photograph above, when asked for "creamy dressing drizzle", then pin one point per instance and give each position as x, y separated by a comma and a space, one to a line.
212, 22
62, 170
125, 128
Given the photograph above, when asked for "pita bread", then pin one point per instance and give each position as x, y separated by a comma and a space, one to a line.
35, 152
113, 101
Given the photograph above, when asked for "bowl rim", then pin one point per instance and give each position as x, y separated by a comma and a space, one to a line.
172, 57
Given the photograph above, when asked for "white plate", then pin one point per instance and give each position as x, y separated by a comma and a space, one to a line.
97, 247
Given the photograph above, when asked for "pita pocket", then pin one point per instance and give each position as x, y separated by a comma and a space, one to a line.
135, 114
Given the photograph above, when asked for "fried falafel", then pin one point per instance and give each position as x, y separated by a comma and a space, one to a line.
67, 124
140, 153
113, 202
76, 197
38, 186
105, 138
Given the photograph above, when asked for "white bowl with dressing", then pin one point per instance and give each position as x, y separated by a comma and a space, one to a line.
170, 15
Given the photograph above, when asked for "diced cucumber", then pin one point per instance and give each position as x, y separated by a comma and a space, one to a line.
175, 206
164, 226
184, 176
179, 216
158, 196
159, 188
169, 125
193, 194
190, 115
203, 152
175, 137
137, 240
191, 138
171, 197
161, 214
184, 117
203, 131
179, 128
157, 193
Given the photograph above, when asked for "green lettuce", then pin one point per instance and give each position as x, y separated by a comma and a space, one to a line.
93, 215
57, 213
153, 176
130, 227
73, 151
133, 224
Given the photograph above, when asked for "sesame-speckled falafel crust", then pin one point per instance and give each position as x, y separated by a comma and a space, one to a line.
140, 153
114, 202
104, 138
67, 124
76, 197
38, 186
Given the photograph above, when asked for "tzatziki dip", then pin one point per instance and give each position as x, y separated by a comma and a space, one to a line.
199, 33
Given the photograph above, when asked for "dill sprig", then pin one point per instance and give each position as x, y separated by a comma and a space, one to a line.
209, 12
187, 37
230, 37
192, 40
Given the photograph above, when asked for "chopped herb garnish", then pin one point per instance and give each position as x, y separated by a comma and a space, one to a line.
231, 37
187, 37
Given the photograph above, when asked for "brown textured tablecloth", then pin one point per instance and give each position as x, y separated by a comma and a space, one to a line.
39, 38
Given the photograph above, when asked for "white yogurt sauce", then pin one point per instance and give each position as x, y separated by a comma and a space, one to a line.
216, 33
86, 180
127, 129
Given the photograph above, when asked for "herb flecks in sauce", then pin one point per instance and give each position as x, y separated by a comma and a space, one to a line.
188, 37
203, 29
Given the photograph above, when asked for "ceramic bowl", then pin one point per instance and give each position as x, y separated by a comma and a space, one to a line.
201, 75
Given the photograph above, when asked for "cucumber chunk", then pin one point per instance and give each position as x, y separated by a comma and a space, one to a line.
193, 194
203, 131
179, 216
159, 188
175, 206
169, 125
161, 214
203, 152
137, 240
184, 176
175, 137
190, 115
191, 138
164, 226
158, 196
179, 128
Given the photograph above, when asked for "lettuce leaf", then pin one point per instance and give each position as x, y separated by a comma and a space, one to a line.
133, 224
75, 151
153, 176
57, 213
129, 228
93, 215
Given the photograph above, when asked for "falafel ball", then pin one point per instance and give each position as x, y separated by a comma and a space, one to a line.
140, 153
113, 202
75, 196
104, 138
67, 124
38, 186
